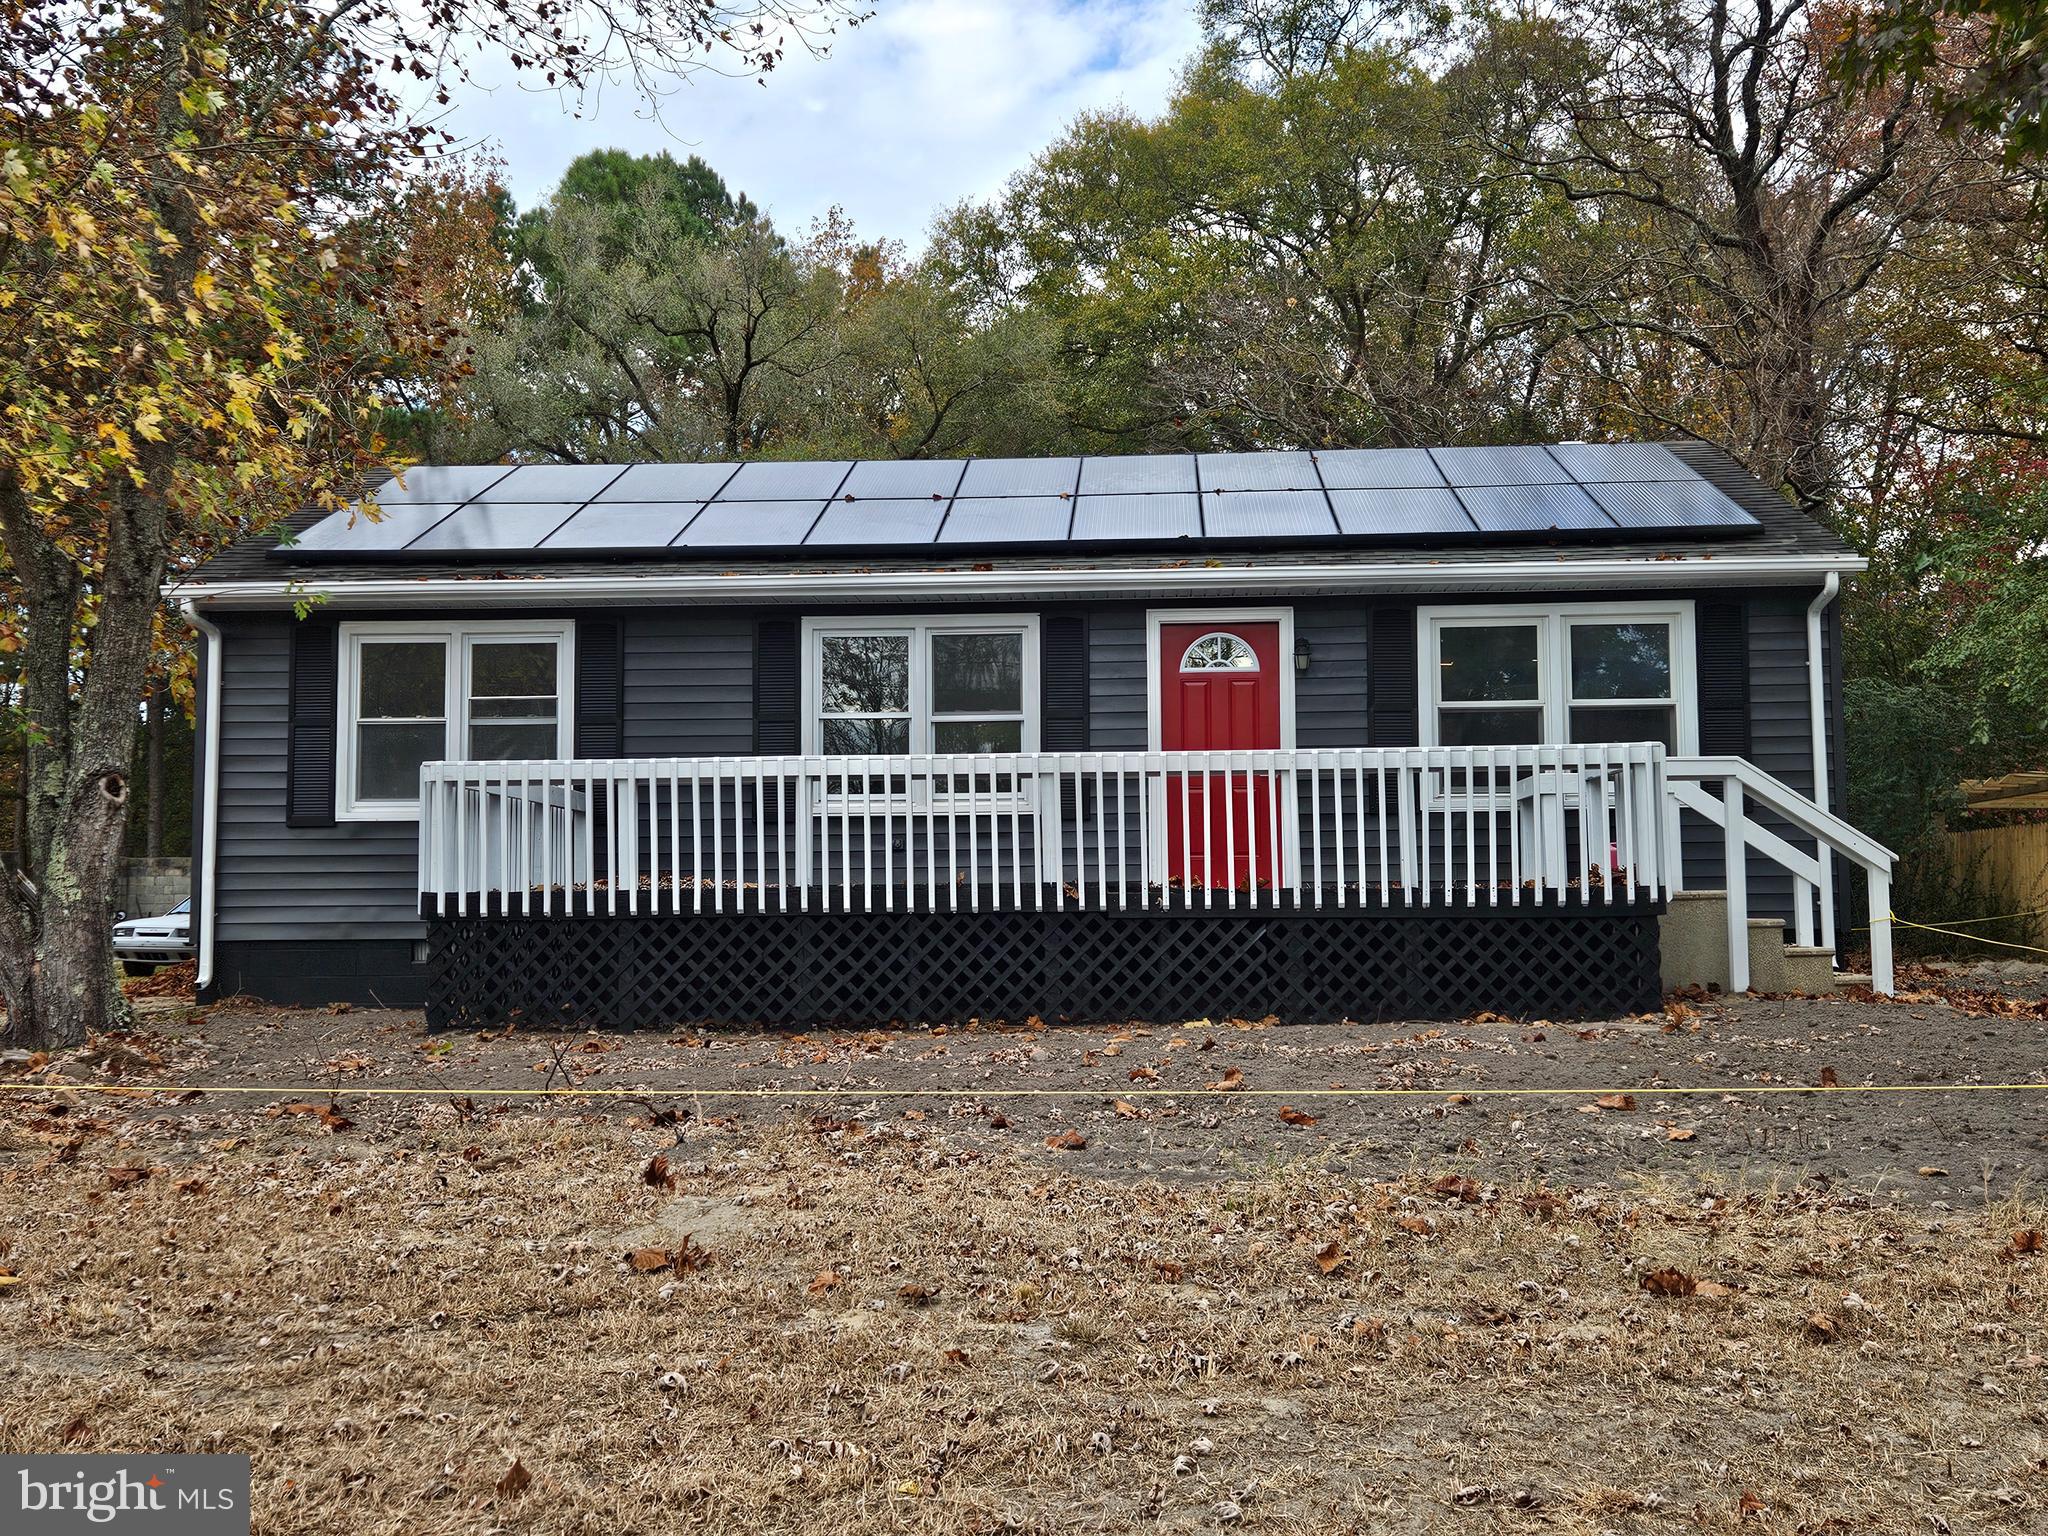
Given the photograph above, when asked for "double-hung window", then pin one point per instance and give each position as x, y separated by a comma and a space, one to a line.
955, 684
485, 691
1527, 674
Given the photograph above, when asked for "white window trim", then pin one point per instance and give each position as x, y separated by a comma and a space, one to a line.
457, 637
919, 627
1554, 657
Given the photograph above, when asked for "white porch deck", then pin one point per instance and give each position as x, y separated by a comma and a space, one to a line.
1597, 827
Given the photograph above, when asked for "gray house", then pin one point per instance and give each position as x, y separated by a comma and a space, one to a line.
1342, 734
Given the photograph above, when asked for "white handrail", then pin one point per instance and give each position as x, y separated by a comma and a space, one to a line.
1740, 783
1092, 830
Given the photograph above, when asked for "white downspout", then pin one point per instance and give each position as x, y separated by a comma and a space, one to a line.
209, 826
1816, 693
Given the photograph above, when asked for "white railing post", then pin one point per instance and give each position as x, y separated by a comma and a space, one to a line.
1735, 854
1880, 931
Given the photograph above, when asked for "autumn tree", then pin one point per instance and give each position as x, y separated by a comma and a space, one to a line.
1319, 241
1759, 210
182, 268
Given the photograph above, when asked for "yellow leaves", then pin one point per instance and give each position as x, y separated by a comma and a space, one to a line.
123, 444
201, 100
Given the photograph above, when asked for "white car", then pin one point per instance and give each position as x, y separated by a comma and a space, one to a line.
142, 944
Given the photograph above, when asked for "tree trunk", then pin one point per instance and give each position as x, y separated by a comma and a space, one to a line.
153, 844
67, 987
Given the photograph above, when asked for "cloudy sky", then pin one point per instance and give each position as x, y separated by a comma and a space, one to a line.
930, 102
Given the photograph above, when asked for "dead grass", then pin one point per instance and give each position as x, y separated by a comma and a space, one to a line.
890, 1334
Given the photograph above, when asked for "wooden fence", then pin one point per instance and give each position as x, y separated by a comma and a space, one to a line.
2014, 856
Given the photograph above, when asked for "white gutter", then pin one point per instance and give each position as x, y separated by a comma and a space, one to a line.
209, 825
401, 591
1816, 698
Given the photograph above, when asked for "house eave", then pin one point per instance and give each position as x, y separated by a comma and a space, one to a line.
956, 583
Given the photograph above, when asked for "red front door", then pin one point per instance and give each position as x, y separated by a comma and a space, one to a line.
1219, 691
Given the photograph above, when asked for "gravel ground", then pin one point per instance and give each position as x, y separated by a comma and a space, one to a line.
1710, 1091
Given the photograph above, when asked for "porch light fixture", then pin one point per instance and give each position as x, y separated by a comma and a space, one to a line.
1301, 655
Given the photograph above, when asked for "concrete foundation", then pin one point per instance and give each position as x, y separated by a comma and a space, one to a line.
1693, 938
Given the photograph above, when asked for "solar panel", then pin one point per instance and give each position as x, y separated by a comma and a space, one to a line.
795, 481
1267, 515
1130, 518
574, 483
440, 483
768, 524
903, 477
1531, 508
1365, 469
1470, 495
1020, 477
878, 522
1007, 520
1670, 504
1258, 472
515, 526
623, 525
1499, 466
354, 533
669, 482
1400, 512
1138, 473
1591, 463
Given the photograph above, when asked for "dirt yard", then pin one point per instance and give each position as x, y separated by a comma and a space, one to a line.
1151, 1295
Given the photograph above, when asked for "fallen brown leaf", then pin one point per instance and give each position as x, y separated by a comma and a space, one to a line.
515, 1481
1293, 1116
1230, 1080
1670, 1282
1677, 1133
1621, 1101
825, 1281
1331, 1257
1126, 1110
1069, 1140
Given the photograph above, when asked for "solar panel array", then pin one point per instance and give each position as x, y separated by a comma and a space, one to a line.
1358, 495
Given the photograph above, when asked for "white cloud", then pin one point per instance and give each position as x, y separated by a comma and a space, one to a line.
930, 102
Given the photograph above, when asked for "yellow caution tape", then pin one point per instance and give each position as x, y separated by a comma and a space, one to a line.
454, 1091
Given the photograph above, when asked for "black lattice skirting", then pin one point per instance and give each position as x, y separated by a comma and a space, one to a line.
858, 968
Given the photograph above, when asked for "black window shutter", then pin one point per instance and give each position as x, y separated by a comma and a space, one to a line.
1723, 657
600, 688
777, 731
311, 708
1392, 678
1063, 683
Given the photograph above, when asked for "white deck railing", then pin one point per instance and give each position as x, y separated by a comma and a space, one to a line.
1500, 826
1734, 795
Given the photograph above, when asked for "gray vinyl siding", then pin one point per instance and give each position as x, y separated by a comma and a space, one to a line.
1117, 700
354, 880
688, 691
689, 683
1329, 698
1780, 728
